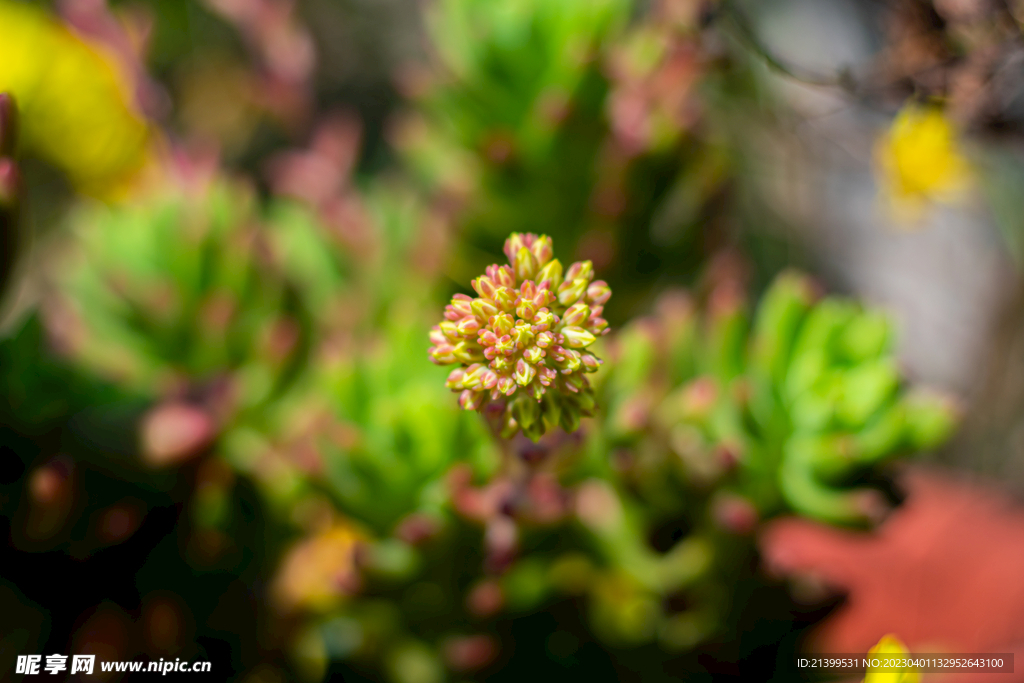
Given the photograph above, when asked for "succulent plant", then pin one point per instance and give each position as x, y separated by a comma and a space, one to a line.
788, 414
523, 342
507, 74
196, 293
367, 428
714, 423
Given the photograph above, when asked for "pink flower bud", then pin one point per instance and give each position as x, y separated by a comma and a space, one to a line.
468, 326
484, 287
542, 249
545, 339
581, 270
506, 385
462, 304
502, 276
513, 244
527, 290
455, 378
471, 400
443, 354
437, 336
599, 292
576, 314
489, 379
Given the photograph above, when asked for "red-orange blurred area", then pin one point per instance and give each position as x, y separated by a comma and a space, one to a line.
944, 571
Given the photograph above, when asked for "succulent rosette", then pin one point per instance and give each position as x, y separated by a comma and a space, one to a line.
524, 342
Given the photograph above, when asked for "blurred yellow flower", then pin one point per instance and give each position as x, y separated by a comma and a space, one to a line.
320, 571
77, 107
920, 161
888, 646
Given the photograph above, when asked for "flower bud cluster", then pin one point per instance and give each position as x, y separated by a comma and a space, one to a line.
523, 341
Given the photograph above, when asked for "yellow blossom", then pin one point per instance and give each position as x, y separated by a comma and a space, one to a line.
920, 161
320, 571
77, 107
890, 646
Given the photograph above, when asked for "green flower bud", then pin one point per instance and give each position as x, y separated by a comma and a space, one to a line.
525, 265
483, 309
570, 291
524, 373
502, 324
543, 320
526, 411
552, 274
450, 331
526, 310
523, 336
504, 298
468, 352
577, 337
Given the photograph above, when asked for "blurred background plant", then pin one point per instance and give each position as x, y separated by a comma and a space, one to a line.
229, 226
